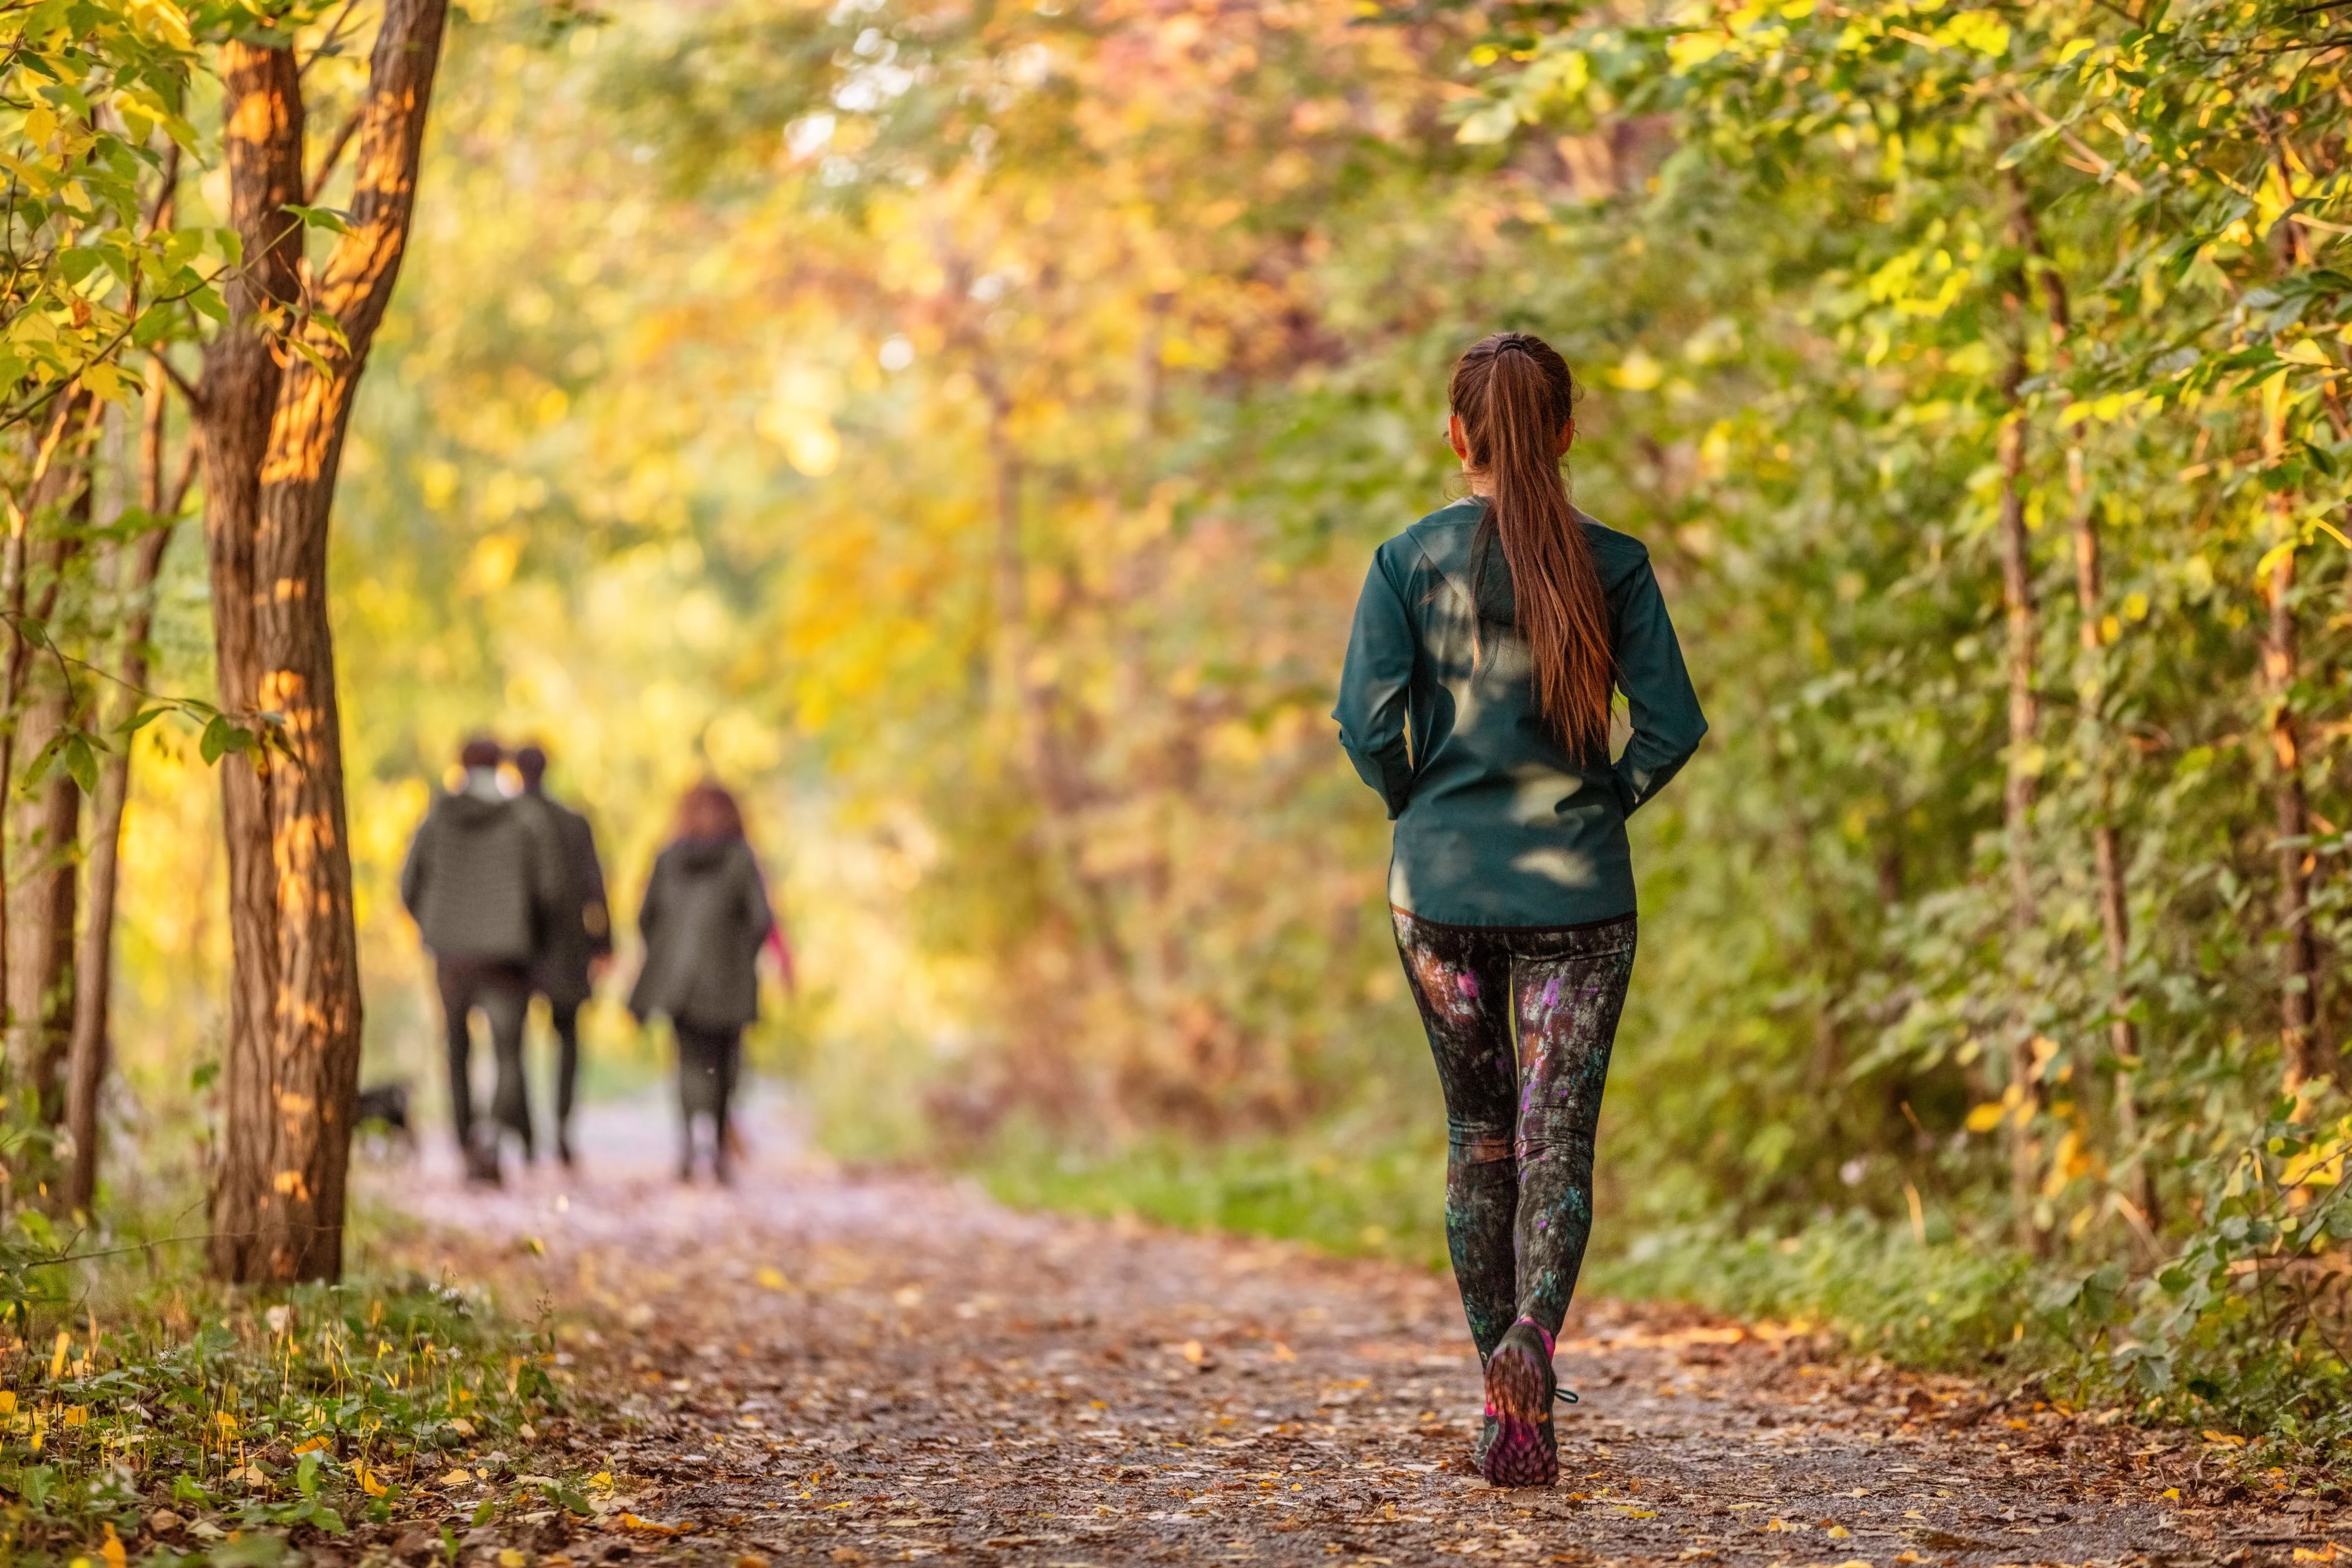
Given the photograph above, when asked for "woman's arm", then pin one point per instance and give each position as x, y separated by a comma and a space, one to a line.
1663, 708
1375, 685
759, 919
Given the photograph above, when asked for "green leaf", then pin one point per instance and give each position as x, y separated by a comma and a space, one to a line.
82, 762
326, 218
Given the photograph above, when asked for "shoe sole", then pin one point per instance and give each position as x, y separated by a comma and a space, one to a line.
1525, 1452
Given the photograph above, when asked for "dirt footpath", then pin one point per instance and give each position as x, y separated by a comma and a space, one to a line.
815, 1369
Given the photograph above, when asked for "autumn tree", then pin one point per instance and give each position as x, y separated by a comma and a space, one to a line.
274, 403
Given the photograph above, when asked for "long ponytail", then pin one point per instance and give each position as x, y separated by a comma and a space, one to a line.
1515, 394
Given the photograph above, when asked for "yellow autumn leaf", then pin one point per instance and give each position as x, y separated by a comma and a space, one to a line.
310, 1445
773, 1280
75, 1416
510, 1558
631, 1522
602, 1480
1984, 1118
367, 1479
112, 1547
459, 1477
1283, 1353
1839, 1532
459, 1425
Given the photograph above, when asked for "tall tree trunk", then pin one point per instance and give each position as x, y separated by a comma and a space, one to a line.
2114, 910
293, 1060
94, 955
46, 821
59, 464
2023, 769
2107, 852
2304, 1060
238, 398
42, 904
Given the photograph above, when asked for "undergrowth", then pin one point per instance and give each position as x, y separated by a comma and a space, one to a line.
182, 1422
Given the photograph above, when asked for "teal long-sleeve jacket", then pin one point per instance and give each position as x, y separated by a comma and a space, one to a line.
1498, 824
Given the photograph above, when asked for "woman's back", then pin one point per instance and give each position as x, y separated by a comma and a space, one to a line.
1498, 821
704, 916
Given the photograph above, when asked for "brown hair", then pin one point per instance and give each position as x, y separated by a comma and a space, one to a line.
1514, 394
709, 811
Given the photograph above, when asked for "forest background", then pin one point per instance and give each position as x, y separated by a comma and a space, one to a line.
963, 428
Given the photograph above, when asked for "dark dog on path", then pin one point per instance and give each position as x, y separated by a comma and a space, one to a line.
382, 1111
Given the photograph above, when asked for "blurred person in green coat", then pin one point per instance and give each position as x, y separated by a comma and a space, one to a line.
704, 917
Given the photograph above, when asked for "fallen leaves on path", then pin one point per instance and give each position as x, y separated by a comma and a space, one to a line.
816, 1369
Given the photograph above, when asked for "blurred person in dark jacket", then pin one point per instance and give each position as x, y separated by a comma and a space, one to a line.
484, 883
704, 918
578, 938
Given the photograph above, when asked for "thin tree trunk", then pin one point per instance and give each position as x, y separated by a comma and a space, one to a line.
2291, 812
2024, 770
43, 903
2114, 910
46, 821
293, 1064
2107, 852
53, 471
94, 957
2306, 1060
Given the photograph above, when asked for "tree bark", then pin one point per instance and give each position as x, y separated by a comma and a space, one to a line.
2291, 811
293, 1061
2023, 767
237, 397
60, 465
45, 824
43, 901
91, 1048
2090, 592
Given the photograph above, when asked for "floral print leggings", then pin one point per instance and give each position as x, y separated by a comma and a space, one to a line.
1521, 1020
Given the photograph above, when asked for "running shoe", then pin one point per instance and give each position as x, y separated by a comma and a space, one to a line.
1524, 1450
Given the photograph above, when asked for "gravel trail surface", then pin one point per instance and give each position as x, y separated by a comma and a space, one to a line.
814, 1368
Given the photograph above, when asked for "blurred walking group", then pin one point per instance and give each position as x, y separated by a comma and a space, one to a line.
508, 893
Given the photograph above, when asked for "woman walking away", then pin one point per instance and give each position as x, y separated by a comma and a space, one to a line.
704, 917
1476, 699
